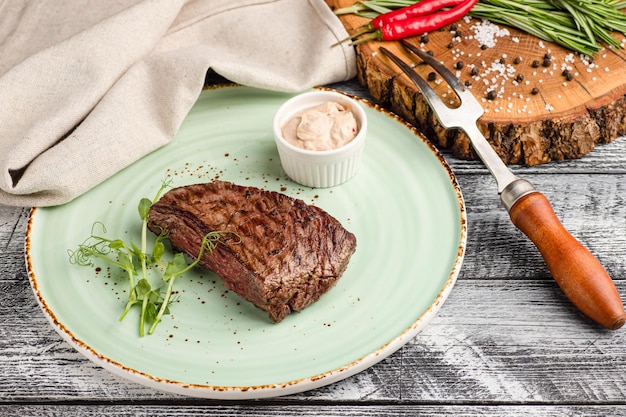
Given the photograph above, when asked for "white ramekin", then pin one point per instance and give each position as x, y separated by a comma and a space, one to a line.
320, 169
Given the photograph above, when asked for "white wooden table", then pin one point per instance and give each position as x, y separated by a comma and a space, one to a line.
506, 342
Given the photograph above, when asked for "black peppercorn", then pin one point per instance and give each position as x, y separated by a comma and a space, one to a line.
547, 60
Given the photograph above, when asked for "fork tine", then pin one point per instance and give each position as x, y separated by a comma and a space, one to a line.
464, 117
447, 75
430, 94
469, 103
468, 110
468, 100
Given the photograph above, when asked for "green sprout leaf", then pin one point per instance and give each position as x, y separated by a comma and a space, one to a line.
153, 299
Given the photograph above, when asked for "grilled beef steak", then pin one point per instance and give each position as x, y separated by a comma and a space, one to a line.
285, 253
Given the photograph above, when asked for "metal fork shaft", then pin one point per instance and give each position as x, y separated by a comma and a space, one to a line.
490, 158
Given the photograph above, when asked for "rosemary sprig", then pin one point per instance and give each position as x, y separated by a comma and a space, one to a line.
582, 26
372, 8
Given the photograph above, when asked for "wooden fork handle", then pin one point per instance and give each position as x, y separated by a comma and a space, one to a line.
579, 274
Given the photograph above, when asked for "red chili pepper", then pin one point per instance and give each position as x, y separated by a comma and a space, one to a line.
422, 24
400, 29
420, 8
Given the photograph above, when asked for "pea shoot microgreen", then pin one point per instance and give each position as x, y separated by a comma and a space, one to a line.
140, 265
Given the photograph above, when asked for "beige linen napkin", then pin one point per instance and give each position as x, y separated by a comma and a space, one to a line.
88, 87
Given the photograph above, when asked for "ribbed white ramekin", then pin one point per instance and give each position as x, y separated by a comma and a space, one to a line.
320, 169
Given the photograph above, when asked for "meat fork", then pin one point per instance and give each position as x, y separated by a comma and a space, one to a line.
579, 274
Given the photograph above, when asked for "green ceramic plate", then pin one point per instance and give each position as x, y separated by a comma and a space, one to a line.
404, 206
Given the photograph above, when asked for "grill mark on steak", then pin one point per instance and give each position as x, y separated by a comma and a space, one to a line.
285, 253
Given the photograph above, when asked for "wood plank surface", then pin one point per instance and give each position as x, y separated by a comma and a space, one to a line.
313, 410
505, 343
533, 113
521, 343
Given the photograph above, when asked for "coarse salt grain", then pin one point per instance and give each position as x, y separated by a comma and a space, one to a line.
486, 32
496, 75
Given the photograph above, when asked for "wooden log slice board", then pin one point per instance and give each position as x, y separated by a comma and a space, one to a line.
537, 114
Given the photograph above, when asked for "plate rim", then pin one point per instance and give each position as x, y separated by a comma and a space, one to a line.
288, 387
